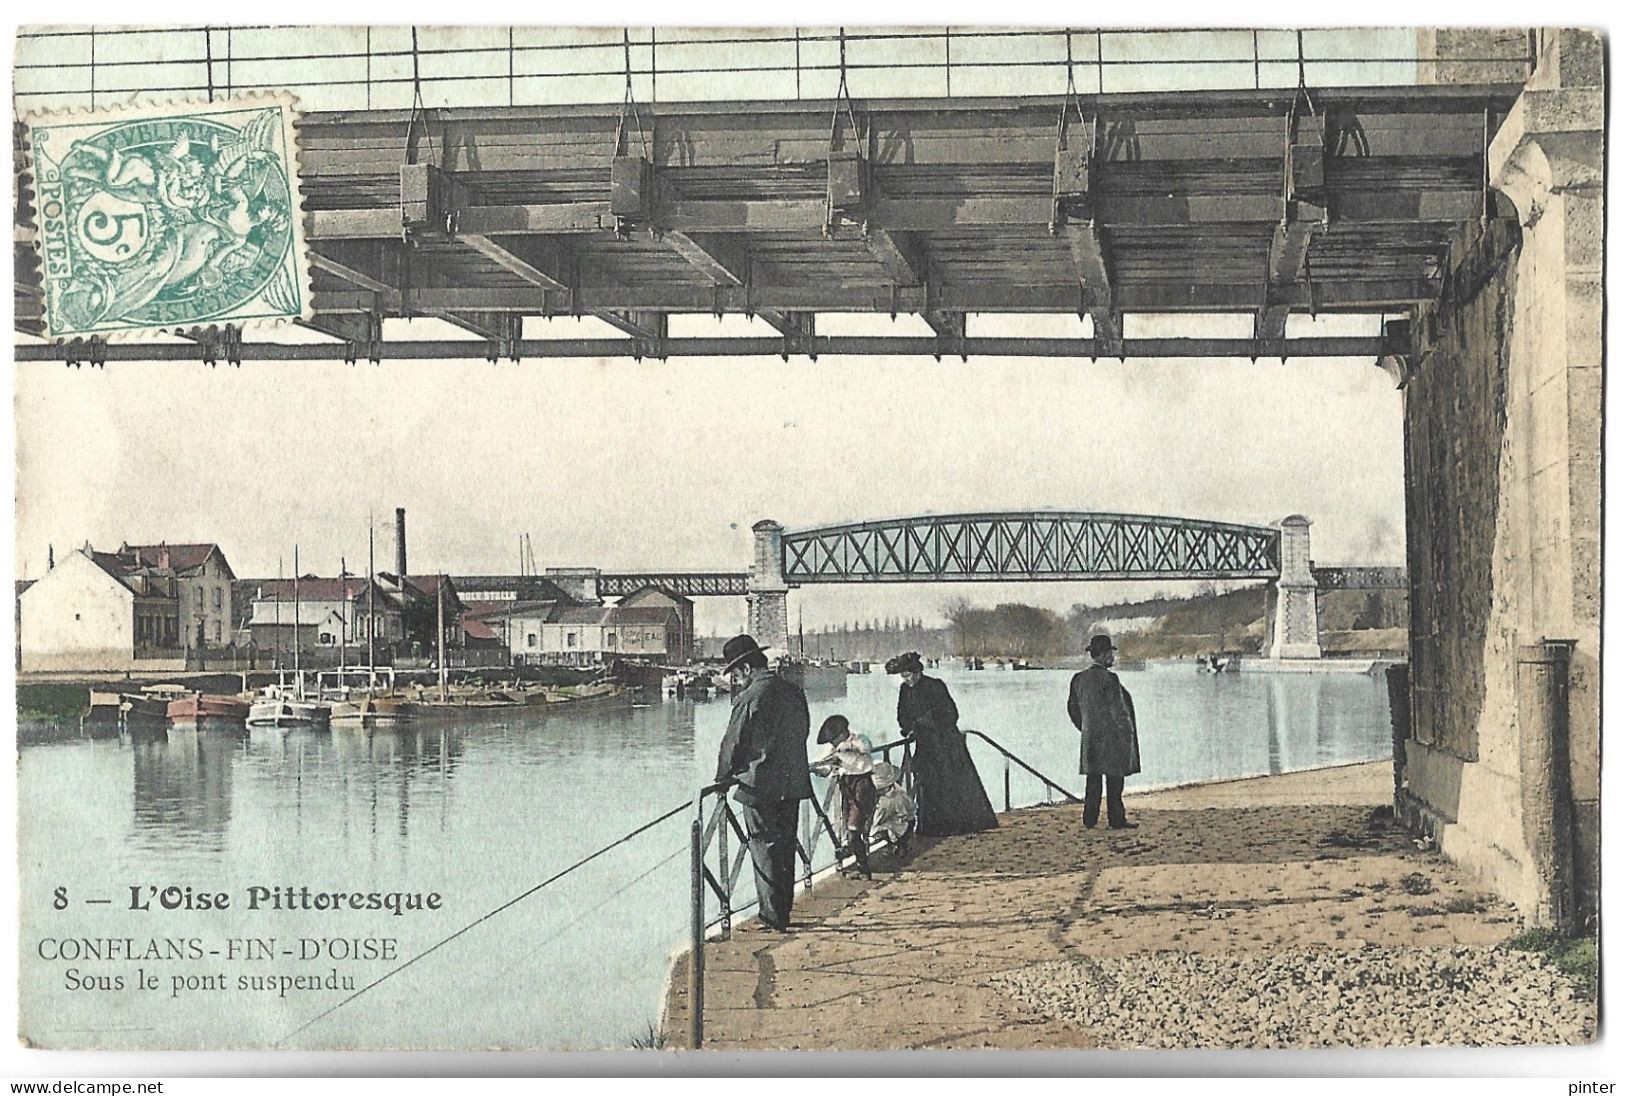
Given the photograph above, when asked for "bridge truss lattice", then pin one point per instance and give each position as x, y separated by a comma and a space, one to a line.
1035, 546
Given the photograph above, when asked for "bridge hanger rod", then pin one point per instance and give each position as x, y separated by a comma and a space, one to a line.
79, 351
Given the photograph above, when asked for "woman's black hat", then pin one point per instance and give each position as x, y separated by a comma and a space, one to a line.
907, 663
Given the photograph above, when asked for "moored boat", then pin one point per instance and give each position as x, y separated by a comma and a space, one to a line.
362, 696
274, 709
370, 711
208, 708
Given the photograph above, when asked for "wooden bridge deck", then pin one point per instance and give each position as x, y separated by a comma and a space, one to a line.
1256, 202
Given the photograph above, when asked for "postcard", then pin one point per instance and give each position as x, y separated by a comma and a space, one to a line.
845, 538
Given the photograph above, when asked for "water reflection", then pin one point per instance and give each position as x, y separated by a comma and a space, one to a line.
484, 805
183, 783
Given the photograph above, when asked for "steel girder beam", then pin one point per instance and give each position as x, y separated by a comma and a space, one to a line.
682, 583
800, 330
881, 346
648, 330
1373, 295
949, 328
362, 333
1361, 578
1029, 547
893, 215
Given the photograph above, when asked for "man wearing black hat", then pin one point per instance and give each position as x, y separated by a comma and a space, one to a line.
1104, 712
765, 754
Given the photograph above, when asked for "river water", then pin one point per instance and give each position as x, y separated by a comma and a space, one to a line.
480, 810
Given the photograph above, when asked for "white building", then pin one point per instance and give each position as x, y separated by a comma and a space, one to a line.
85, 614
588, 634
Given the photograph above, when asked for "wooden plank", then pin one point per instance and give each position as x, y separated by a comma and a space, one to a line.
1089, 258
761, 215
355, 277
546, 218
898, 253
522, 257
720, 259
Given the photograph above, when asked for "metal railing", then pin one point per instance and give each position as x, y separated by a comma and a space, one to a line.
397, 67
711, 847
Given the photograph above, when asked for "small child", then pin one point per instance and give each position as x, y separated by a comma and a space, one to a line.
846, 758
894, 810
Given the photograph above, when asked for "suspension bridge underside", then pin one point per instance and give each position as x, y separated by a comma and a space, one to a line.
1264, 203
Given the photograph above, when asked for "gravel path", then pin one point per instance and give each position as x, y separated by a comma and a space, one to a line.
1378, 996
1281, 911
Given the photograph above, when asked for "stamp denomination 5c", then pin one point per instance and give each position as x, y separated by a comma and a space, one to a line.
174, 216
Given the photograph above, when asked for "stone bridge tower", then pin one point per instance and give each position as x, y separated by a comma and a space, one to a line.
767, 596
1295, 620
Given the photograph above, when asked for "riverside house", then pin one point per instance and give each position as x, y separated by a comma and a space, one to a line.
91, 612
583, 635
332, 612
203, 581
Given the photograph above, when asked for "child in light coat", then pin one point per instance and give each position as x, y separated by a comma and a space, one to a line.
894, 810
846, 758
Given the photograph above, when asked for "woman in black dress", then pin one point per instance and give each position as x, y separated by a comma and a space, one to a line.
947, 789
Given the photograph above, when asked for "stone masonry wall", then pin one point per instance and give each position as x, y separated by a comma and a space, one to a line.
1503, 447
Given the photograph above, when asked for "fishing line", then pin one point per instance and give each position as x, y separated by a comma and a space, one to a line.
510, 903
628, 885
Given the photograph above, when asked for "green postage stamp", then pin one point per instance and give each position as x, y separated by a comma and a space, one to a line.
178, 215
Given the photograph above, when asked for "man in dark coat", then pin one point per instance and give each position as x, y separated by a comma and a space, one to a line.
765, 754
1103, 712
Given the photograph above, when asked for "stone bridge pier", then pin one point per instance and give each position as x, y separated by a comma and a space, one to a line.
767, 595
1502, 385
1294, 618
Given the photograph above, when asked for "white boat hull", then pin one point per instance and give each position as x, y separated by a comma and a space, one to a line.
288, 713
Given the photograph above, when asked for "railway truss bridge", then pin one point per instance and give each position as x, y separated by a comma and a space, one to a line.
1032, 546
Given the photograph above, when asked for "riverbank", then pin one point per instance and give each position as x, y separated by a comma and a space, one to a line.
60, 697
1275, 911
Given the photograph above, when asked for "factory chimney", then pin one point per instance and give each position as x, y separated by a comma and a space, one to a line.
400, 542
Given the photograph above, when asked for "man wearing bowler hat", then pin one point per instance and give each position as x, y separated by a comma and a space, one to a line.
765, 754
1103, 712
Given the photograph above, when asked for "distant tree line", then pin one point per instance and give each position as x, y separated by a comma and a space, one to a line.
1018, 630
1011, 630
876, 640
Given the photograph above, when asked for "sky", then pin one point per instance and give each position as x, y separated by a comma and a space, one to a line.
665, 465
